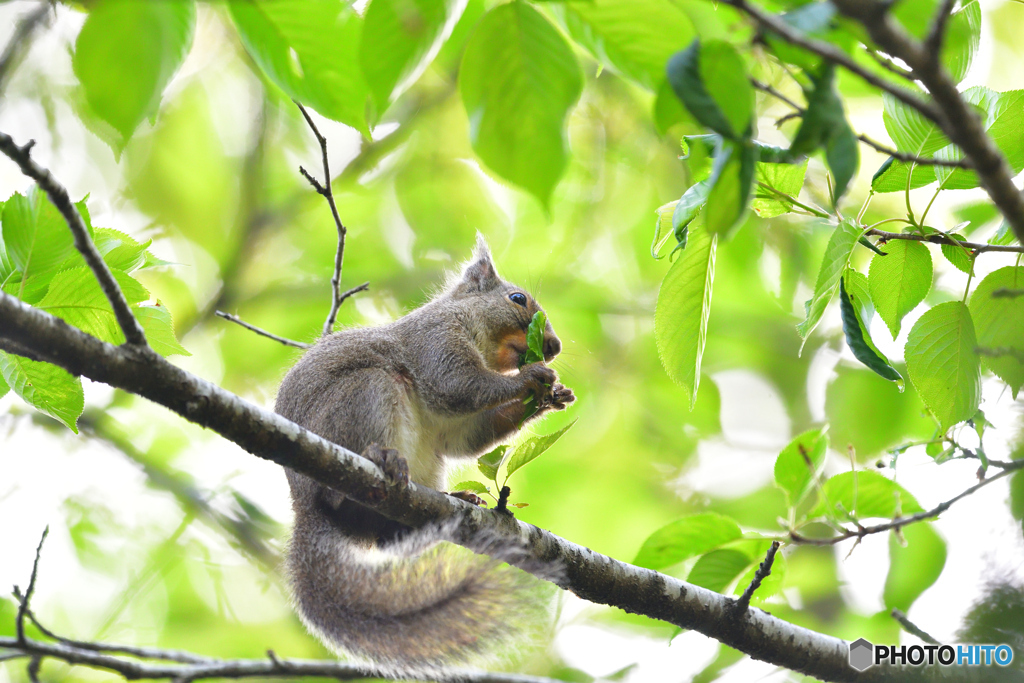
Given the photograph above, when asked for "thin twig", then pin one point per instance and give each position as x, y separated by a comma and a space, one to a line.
270, 335
900, 522
325, 190
976, 247
889, 66
884, 149
21, 39
23, 599
933, 41
912, 628
129, 325
236, 668
763, 570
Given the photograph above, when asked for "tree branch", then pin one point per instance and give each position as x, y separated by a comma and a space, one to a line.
911, 627
131, 328
956, 118
976, 247
763, 571
590, 575
325, 190
884, 149
260, 331
21, 39
900, 522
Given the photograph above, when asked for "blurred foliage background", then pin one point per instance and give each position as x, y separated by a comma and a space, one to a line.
164, 535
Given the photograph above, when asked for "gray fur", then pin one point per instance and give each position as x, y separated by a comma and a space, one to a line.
437, 384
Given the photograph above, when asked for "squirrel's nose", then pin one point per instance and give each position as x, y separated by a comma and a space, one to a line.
552, 347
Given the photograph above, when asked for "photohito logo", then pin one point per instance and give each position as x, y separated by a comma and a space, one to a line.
864, 655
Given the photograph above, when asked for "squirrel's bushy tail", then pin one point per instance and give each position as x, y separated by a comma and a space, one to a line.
416, 605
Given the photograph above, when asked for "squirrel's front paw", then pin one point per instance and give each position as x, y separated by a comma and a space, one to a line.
469, 497
538, 379
561, 396
394, 466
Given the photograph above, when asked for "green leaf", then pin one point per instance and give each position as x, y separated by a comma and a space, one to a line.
531, 448
76, 297
688, 208
963, 35
3, 387
824, 125
488, 463
943, 363
685, 538
681, 314
126, 54
999, 323
634, 37
858, 337
718, 568
1004, 235
912, 133
731, 179
834, 263
913, 567
519, 79
862, 495
400, 39
961, 257
121, 251
1003, 119
711, 80
470, 485
785, 178
800, 462
46, 387
37, 240
899, 281
309, 49
535, 339
156, 321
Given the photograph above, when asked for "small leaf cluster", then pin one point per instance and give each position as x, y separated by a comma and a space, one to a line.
40, 266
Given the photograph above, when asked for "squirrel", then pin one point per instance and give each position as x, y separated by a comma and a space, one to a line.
440, 384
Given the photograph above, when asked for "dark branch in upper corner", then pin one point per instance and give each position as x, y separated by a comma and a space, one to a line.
976, 247
179, 665
762, 573
337, 297
260, 331
129, 325
898, 523
877, 146
19, 42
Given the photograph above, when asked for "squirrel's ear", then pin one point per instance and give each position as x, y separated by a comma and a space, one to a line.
480, 274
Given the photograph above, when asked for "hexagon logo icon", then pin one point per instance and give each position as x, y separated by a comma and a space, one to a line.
861, 654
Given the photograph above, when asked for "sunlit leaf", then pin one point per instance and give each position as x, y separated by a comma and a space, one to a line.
470, 485
76, 297
686, 538
997, 308
787, 179
710, 78
126, 54
37, 240
899, 281
913, 567
532, 447
46, 387
718, 568
400, 39
156, 321
681, 315
1003, 119
943, 363
835, 261
309, 49
862, 495
489, 462
960, 43
731, 178
800, 462
519, 79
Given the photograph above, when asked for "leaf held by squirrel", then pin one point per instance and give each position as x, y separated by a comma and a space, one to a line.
440, 384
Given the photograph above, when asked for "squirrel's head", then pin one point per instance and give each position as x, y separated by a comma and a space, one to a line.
499, 312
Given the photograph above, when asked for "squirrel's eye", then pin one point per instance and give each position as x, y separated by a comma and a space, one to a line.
518, 298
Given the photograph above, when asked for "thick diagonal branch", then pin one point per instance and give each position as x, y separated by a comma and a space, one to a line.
129, 325
958, 120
